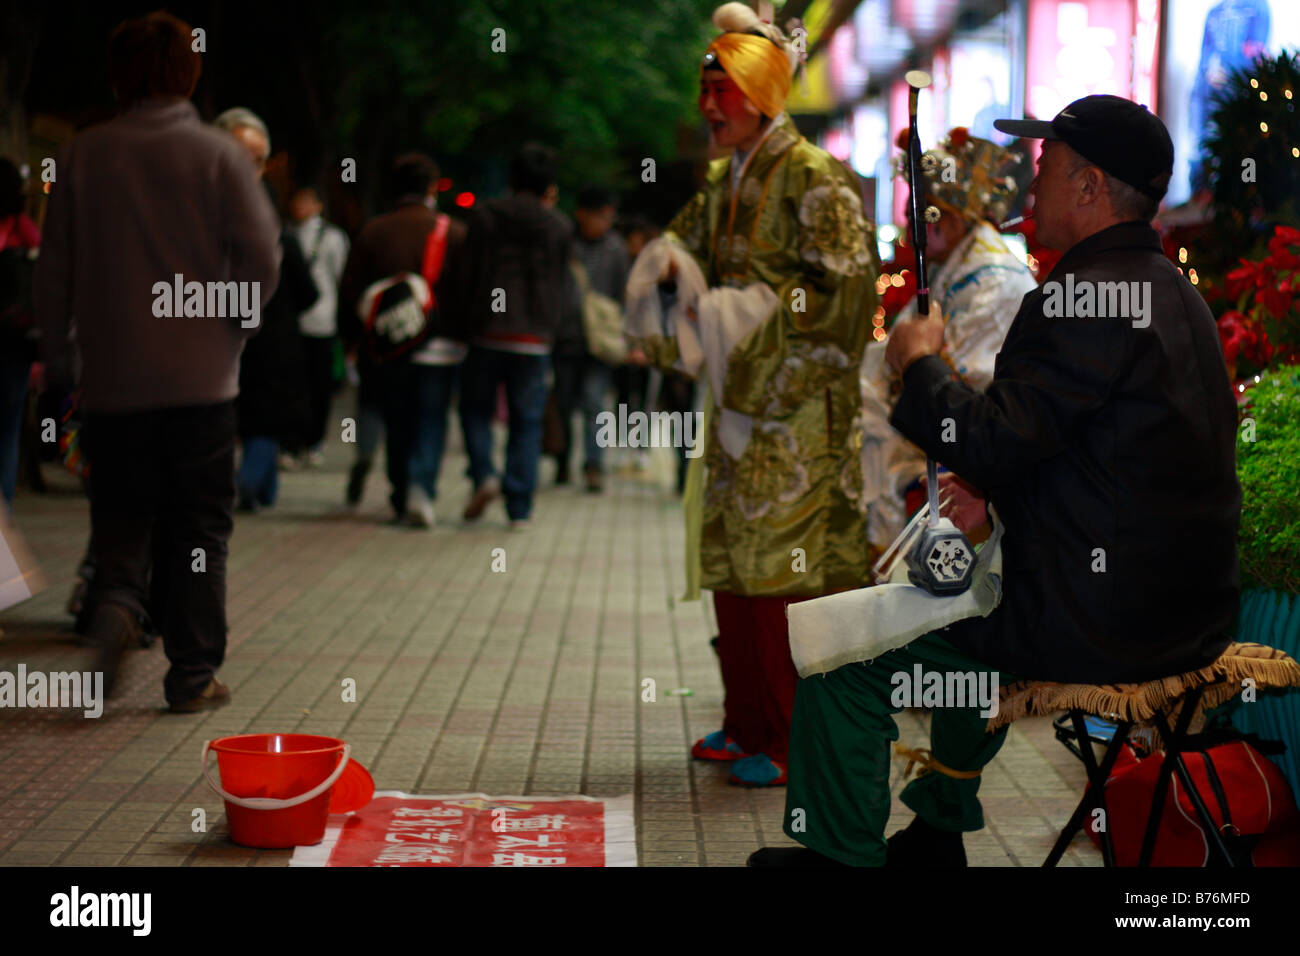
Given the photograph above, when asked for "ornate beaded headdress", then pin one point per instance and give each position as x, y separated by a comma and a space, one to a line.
969, 175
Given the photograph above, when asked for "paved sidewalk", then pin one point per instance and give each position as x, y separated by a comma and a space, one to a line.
522, 682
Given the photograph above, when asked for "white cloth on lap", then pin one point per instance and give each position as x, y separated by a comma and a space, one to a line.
860, 625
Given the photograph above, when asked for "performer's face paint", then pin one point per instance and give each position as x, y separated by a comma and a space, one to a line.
944, 236
939, 239
936, 241
732, 118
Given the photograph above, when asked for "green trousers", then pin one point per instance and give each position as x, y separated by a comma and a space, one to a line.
841, 742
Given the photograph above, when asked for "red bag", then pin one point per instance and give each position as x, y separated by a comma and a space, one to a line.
1244, 792
395, 311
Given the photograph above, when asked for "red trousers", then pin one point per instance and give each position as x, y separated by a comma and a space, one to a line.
758, 673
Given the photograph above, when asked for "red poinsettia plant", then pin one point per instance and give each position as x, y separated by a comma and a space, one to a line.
1264, 327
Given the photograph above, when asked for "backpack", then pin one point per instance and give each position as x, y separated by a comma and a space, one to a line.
1245, 793
395, 311
17, 278
602, 321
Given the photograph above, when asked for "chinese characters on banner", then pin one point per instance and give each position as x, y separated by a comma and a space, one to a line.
397, 829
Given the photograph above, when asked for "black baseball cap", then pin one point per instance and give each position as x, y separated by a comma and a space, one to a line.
1122, 137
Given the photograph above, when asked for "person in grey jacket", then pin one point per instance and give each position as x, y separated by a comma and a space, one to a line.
581, 379
176, 251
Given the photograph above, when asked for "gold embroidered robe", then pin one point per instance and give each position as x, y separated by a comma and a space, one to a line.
787, 516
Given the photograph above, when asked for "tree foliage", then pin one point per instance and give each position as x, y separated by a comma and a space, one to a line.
1260, 131
603, 82
1269, 470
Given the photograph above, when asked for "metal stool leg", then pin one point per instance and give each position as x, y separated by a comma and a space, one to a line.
1167, 767
1096, 794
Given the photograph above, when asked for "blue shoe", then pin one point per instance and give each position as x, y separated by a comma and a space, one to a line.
717, 746
759, 770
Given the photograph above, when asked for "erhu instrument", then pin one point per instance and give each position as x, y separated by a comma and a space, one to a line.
938, 555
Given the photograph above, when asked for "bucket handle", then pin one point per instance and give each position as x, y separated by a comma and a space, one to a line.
273, 803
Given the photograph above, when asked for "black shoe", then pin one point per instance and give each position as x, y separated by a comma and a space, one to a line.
112, 629
213, 696
791, 856
357, 482
920, 846
487, 491
562, 476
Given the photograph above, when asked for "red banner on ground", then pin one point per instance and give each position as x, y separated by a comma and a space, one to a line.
400, 829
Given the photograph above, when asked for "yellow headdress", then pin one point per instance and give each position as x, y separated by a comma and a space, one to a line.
760, 65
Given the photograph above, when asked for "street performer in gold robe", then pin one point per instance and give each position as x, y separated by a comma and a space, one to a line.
763, 286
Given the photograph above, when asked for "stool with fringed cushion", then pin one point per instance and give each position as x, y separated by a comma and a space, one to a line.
1162, 712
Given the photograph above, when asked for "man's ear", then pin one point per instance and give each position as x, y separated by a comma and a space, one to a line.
1091, 185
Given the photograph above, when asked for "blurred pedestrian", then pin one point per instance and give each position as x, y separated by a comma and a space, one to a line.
326, 249
19, 242
273, 405
512, 297
568, 355
581, 378
152, 198
637, 231
411, 248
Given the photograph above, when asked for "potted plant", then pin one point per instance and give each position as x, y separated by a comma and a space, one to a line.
1268, 466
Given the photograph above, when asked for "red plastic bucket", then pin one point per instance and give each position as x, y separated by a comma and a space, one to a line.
277, 786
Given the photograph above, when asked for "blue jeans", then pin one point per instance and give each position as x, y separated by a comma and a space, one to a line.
596, 380
14, 372
525, 381
258, 480
582, 382
434, 386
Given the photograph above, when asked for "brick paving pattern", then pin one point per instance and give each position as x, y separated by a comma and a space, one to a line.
522, 682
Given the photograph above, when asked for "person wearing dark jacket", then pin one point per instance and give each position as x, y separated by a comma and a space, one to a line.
274, 396
272, 408
1106, 445
153, 194
512, 297
412, 392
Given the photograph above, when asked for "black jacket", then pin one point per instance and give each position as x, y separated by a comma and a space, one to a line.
518, 246
1094, 435
273, 367
570, 337
390, 244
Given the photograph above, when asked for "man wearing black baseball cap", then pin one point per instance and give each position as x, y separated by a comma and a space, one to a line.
1106, 442
1119, 136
